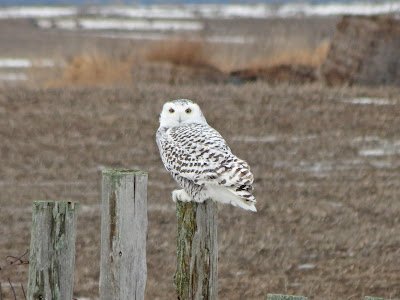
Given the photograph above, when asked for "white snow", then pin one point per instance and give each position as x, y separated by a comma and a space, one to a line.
134, 36
231, 39
306, 267
36, 12
188, 11
199, 11
355, 8
368, 101
24, 63
13, 77
122, 24
243, 11
140, 25
373, 152
152, 12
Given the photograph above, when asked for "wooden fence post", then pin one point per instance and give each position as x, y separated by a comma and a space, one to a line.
284, 297
123, 269
196, 274
52, 250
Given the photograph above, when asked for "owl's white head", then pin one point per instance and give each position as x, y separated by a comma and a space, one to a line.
180, 113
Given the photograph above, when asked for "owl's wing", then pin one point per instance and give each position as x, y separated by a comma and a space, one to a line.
200, 154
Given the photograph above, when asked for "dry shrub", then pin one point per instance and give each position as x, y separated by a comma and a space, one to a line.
94, 69
179, 52
310, 57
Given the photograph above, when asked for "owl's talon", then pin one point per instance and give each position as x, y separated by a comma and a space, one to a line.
181, 195
174, 197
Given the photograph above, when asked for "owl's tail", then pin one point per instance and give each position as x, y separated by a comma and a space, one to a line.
241, 198
244, 200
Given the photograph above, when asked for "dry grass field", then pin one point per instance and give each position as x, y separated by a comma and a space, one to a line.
327, 224
326, 163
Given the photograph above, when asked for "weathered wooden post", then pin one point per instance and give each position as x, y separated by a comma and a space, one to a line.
123, 269
196, 274
52, 251
284, 297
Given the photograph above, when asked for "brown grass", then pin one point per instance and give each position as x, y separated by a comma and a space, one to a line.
94, 69
179, 52
310, 57
319, 201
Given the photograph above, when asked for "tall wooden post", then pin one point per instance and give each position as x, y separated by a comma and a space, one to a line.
123, 269
52, 251
196, 274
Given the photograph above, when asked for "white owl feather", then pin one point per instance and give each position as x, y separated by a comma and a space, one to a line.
199, 159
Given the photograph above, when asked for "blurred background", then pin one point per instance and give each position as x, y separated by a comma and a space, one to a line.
306, 92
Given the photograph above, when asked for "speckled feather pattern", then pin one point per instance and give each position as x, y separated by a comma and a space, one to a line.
197, 156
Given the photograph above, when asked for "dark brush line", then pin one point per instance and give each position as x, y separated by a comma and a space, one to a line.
23, 291
18, 259
12, 288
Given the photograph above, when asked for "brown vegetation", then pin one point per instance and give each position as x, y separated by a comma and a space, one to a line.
328, 221
291, 66
310, 56
180, 61
179, 52
289, 73
93, 69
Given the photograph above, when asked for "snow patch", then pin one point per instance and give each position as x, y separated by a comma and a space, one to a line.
13, 77
120, 24
368, 101
306, 267
24, 63
207, 11
36, 12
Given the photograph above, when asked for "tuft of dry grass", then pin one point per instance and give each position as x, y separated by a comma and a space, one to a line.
94, 69
179, 52
309, 57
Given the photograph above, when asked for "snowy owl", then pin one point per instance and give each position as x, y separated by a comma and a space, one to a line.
199, 159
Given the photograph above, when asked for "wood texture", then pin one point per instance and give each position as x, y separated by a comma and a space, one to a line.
123, 269
196, 274
52, 250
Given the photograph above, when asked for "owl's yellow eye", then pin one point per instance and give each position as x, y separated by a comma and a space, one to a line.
171, 110
188, 110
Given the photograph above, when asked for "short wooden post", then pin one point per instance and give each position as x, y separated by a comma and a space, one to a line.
196, 274
284, 297
52, 251
123, 269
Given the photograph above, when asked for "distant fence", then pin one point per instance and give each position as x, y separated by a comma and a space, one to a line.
123, 270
